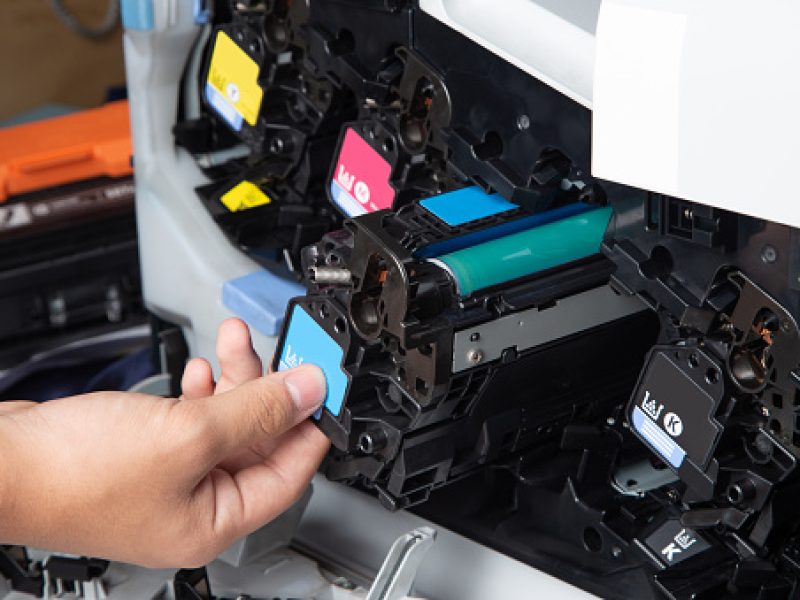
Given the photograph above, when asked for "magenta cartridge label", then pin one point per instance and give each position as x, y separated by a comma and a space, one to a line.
360, 181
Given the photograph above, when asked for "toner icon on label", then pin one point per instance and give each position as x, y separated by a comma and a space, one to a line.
362, 193
673, 424
680, 543
360, 182
651, 407
290, 360
674, 543
232, 90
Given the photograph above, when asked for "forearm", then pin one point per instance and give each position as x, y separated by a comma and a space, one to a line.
12, 526
33, 489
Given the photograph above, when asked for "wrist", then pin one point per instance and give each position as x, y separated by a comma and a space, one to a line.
11, 454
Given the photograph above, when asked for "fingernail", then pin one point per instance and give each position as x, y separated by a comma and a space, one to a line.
307, 387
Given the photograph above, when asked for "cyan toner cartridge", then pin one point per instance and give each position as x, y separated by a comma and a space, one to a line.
448, 343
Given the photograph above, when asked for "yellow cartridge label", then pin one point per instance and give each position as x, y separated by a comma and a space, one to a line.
244, 195
232, 87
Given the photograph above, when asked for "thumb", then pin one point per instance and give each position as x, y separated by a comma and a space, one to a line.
264, 407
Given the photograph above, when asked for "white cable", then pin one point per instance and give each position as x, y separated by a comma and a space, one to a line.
106, 26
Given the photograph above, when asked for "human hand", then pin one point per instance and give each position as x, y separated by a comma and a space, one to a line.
161, 481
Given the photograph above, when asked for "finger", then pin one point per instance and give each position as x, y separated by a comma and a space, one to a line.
198, 379
7, 406
252, 455
267, 489
260, 409
237, 360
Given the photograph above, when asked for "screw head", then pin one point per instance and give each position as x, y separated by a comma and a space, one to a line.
523, 122
365, 443
344, 583
474, 356
735, 494
277, 145
769, 254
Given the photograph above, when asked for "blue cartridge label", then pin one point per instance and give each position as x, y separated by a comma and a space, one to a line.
307, 343
645, 421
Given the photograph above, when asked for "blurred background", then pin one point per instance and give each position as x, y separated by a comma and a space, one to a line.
49, 61
71, 314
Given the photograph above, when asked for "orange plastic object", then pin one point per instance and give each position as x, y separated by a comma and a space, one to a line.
87, 144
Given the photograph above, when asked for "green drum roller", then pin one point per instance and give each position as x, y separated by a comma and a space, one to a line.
526, 252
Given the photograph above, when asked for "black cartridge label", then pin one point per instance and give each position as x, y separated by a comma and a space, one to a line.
673, 413
673, 543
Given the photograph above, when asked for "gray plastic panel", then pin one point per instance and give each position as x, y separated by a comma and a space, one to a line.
185, 257
352, 529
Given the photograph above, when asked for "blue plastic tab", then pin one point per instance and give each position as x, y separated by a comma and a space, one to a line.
307, 343
466, 205
260, 299
137, 14
202, 13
